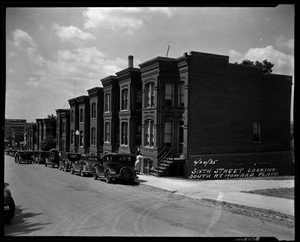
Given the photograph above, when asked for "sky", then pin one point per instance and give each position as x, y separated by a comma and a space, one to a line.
58, 53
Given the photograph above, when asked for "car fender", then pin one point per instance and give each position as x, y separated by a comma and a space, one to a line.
7, 196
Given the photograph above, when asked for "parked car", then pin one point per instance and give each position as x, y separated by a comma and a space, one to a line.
65, 163
9, 205
53, 158
24, 156
116, 166
84, 165
41, 157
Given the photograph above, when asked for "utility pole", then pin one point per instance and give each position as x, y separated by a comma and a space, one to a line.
168, 51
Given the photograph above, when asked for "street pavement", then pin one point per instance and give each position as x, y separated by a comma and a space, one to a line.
231, 191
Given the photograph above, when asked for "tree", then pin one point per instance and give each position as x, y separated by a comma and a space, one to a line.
48, 143
264, 66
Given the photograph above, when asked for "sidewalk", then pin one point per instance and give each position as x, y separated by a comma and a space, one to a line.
229, 192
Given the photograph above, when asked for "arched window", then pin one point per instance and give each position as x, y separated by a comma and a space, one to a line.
149, 95
149, 133
94, 111
72, 136
81, 115
124, 101
124, 133
107, 102
81, 138
107, 132
93, 136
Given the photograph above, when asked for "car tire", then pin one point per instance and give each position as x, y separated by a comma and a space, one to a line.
9, 216
107, 177
71, 171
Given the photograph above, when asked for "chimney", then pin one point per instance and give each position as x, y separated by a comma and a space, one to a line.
130, 61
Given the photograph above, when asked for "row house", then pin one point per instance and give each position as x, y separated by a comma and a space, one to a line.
96, 119
63, 130
45, 127
111, 100
31, 136
130, 113
162, 114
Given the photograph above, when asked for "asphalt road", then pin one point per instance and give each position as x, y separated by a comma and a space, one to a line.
50, 202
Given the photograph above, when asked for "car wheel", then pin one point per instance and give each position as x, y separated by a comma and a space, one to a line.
108, 177
10, 214
95, 176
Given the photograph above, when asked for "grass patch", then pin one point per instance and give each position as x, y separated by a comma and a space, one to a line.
275, 192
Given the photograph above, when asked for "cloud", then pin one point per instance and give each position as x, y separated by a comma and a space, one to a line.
117, 19
283, 63
234, 56
72, 33
21, 39
284, 42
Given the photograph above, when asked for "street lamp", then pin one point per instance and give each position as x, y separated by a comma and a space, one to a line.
76, 140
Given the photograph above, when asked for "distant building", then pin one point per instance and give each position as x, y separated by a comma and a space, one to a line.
63, 130
14, 133
96, 120
45, 127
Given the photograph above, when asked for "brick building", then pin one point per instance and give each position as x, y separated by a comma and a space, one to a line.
63, 130
130, 113
45, 127
31, 136
236, 117
74, 125
84, 123
96, 119
111, 91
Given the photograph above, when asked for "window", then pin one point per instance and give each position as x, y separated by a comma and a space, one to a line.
181, 94
169, 94
94, 110
81, 115
256, 132
72, 116
149, 133
168, 134
63, 127
107, 132
107, 102
124, 104
81, 138
72, 136
124, 133
139, 99
93, 136
149, 95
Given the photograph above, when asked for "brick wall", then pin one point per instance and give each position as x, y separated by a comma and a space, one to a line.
224, 101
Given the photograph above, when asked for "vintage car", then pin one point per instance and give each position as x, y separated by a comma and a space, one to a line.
116, 166
53, 158
24, 156
9, 205
84, 165
41, 157
65, 162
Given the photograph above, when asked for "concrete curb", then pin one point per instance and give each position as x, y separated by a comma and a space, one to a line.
262, 210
